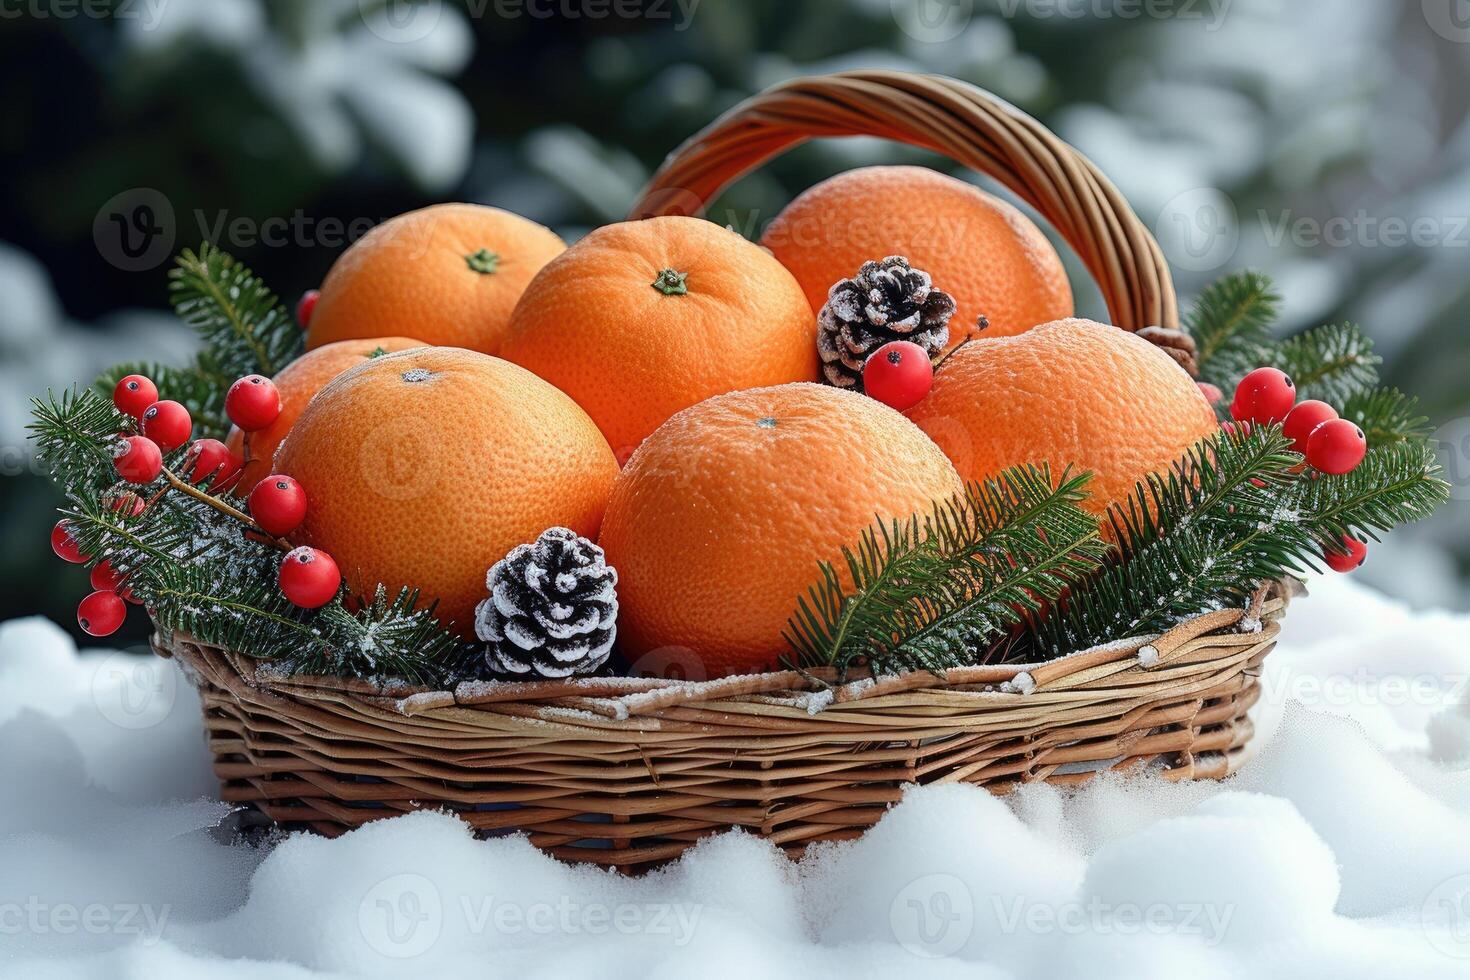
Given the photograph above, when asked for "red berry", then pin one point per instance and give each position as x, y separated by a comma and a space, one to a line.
278, 504
138, 459
1345, 561
66, 549
1302, 420
1265, 395
128, 504
899, 374
1336, 446
305, 306
309, 577
134, 394
101, 613
168, 424
253, 403
1212, 394
1237, 428
210, 459
104, 577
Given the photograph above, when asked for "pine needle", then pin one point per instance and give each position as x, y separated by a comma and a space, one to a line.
933, 593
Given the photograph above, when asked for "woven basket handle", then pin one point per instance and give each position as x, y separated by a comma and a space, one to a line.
965, 124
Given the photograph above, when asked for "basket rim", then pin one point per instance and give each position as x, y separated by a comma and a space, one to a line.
1186, 648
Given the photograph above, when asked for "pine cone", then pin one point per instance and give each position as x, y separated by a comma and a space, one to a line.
552, 610
887, 300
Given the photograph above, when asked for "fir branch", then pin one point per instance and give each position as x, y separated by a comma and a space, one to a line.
384, 638
929, 595
1386, 415
1331, 363
73, 435
244, 327
1396, 483
1203, 533
1231, 325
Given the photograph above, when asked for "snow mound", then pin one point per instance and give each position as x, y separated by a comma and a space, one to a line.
1342, 850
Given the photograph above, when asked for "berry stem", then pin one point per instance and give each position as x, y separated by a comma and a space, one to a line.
223, 508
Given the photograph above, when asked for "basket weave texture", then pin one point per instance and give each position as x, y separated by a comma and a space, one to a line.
630, 772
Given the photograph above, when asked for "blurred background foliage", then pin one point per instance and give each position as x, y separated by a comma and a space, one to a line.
1326, 143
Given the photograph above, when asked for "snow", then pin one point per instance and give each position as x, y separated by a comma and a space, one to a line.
1342, 849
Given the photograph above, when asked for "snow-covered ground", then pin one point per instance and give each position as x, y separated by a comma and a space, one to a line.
1342, 850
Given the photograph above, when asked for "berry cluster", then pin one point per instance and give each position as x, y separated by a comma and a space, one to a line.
1329, 443
277, 505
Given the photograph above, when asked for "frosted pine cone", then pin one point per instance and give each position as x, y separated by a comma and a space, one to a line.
887, 300
552, 610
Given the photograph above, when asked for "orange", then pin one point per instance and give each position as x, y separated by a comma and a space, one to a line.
449, 274
717, 523
1069, 393
981, 250
643, 318
424, 468
297, 383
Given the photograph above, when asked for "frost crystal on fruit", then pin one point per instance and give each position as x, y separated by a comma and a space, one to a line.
552, 609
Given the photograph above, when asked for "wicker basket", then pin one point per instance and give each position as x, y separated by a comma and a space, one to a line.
629, 772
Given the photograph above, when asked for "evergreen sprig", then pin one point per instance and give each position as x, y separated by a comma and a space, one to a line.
1231, 325
1230, 515
1178, 542
73, 434
244, 327
1331, 363
202, 571
1396, 483
1386, 415
932, 593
